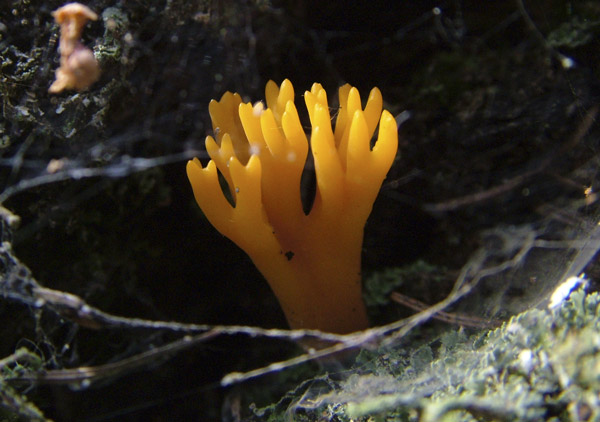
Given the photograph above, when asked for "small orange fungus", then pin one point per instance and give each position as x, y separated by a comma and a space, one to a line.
78, 67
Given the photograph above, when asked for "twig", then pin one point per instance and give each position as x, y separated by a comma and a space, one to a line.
458, 319
85, 375
125, 167
474, 198
74, 308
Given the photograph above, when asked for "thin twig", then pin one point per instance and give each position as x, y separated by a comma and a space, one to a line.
125, 167
85, 375
511, 184
458, 319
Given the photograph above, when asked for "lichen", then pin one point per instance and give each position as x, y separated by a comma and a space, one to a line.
539, 365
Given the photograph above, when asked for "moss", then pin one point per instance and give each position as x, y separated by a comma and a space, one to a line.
540, 365
15, 406
380, 284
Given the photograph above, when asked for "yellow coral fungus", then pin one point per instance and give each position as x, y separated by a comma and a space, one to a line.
312, 262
